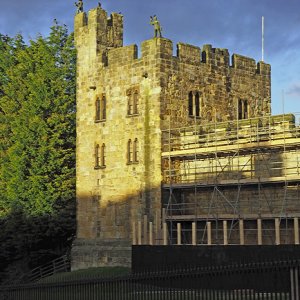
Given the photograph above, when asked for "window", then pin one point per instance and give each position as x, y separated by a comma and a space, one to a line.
100, 156
129, 151
98, 114
242, 109
130, 103
100, 109
194, 104
103, 108
97, 156
132, 151
197, 105
191, 104
103, 155
135, 150
133, 102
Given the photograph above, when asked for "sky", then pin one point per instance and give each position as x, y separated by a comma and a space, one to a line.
231, 24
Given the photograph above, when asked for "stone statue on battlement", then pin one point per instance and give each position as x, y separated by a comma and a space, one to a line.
79, 6
157, 28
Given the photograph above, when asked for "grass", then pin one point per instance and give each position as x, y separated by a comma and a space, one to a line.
91, 273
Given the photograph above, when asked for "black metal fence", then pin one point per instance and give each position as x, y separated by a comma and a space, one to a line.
272, 280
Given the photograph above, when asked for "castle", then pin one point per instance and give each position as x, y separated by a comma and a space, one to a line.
167, 139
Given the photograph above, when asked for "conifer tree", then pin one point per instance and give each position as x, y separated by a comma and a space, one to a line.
37, 147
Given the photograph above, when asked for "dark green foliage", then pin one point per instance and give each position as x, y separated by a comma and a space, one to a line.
37, 146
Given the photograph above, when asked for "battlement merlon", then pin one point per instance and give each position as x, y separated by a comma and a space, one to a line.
97, 28
101, 34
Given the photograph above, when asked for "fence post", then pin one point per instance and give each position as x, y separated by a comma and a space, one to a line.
194, 234
242, 235
139, 233
157, 228
145, 233
165, 233
133, 233
225, 232
208, 233
150, 233
296, 230
277, 231
178, 233
259, 232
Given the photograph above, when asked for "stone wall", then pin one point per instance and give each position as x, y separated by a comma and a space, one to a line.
127, 184
220, 85
110, 196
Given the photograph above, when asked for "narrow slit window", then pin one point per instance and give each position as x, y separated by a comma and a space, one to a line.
132, 101
190, 103
103, 108
136, 150
245, 109
197, 105
129, 151
129, 103
98, 111
103, 155
135, 102
97, 156
242, 109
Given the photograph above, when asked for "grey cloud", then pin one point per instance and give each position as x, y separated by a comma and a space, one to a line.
294, 89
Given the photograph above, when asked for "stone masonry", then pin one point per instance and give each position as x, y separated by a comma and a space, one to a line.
123, 104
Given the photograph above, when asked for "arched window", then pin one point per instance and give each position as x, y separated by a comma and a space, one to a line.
197, 105
103, 108
129, 103
103, 155
194, 104
191, 104
97, 156
135, 150
98, 111
135, 101
132, 102
129, 151
246, 109
242, 109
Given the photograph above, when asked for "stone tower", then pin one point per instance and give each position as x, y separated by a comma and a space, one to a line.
118, 138
123, 104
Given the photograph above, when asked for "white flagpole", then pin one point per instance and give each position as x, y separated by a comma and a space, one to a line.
262, 37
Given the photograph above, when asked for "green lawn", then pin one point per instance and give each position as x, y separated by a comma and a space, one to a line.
90, 273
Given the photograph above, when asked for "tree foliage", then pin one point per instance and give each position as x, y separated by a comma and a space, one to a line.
37, 142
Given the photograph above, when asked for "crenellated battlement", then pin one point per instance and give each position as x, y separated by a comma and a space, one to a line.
188, 54
123, 55
103, 34
97, 27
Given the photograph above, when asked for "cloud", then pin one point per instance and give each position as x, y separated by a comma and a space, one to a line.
294, 89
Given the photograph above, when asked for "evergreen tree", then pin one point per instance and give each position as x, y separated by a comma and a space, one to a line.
37, 148
9, 47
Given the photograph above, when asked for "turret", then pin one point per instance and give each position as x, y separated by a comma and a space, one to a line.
95, 34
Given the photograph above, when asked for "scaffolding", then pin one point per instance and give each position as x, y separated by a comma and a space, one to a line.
231, 171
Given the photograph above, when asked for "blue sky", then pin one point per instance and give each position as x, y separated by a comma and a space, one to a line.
232, 24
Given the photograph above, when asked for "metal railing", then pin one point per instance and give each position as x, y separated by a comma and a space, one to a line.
267, 280
58, 265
